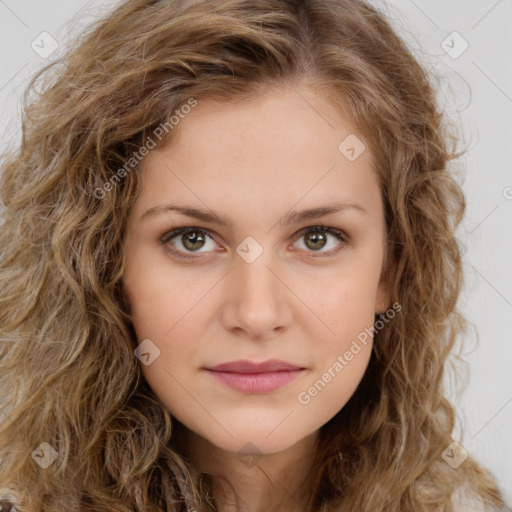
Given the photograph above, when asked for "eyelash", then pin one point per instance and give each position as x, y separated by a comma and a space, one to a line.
176, 231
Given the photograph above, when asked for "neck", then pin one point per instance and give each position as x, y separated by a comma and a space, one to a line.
255, 482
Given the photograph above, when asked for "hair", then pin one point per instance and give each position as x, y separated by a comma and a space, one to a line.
68, 375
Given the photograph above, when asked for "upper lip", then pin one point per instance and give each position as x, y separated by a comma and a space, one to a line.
272, 365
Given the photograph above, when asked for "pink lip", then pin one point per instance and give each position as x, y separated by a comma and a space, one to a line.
256, 382
272, 365
250, 377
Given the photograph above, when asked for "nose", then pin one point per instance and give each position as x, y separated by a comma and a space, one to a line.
257, 300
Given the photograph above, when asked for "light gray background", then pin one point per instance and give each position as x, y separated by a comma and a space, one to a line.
477, 93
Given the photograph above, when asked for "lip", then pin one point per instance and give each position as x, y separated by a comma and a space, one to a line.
250, 377
262, 382
244, 366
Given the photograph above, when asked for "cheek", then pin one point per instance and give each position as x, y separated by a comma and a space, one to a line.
332, 387
344, 341
152, 308
170, 319
343, 307
160, 296
166, 310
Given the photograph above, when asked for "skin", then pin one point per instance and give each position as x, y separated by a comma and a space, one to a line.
253, 162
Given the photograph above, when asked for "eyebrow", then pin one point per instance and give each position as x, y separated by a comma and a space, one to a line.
293, 217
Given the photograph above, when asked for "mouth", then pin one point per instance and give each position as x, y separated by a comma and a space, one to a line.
262, 382
251, 377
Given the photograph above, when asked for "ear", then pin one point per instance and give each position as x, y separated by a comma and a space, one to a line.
383, 295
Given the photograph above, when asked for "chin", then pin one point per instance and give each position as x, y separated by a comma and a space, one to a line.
251, 441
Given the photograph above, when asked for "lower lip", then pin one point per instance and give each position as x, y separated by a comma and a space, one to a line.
256, 382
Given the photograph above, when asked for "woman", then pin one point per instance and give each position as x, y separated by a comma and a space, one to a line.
275, 370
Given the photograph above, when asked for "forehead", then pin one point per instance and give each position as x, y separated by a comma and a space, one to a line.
278, 149
290, 121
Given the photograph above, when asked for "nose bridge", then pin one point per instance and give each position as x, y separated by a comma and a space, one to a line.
257, 296
255, 270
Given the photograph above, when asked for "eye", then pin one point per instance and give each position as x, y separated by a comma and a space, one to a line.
317, 238
193, 239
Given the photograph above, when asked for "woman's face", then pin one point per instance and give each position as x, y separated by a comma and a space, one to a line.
263, 285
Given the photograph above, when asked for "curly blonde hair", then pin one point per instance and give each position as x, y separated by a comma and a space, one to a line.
68, 375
